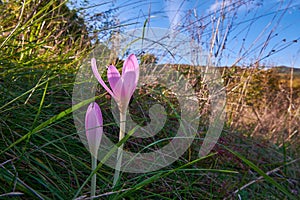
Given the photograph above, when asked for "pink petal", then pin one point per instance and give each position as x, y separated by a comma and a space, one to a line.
93, 127
125, 88
129, 83
113, 76
97, 75
131, 64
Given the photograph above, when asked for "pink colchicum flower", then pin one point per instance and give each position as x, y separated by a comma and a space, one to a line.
93, 127
122, 87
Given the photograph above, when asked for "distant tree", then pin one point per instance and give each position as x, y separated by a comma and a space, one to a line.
101, 24
148, 58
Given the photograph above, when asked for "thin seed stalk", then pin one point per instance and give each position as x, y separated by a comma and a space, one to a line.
120, 149
94, 177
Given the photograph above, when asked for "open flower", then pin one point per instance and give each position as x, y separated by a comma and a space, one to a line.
122, 87
94, 127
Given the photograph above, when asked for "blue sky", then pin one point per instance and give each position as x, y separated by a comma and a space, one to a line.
257, 28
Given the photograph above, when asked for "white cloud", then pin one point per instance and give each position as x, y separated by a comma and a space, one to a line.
217, 5
241, 5
174, 10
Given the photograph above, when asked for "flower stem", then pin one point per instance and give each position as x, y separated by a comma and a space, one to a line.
120, 149
94, 177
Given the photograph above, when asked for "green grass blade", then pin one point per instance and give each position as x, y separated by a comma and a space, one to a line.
262, 173
50, 121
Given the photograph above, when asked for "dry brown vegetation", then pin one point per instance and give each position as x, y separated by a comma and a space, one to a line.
261, 103
265, 103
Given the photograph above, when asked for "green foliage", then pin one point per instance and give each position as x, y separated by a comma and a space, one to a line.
42, 43
41, 34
